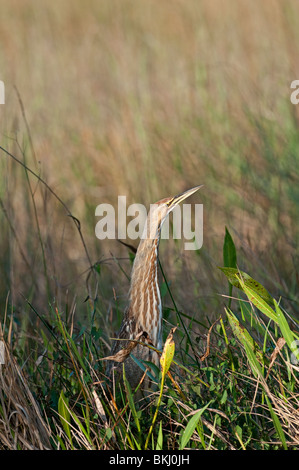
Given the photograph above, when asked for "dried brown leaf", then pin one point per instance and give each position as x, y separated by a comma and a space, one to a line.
124, 353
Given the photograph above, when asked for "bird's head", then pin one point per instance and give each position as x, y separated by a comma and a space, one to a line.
160, 210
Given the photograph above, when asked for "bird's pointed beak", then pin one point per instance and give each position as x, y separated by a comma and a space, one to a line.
181, 197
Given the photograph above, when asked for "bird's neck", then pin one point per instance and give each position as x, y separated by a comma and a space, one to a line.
145, 300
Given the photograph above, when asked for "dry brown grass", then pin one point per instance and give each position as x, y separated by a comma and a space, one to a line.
22, 426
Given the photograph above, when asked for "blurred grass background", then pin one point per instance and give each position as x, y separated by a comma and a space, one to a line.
146, 99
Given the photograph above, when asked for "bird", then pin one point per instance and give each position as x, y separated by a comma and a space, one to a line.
142, 321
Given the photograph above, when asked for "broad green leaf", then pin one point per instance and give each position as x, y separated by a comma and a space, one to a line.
190, 428
229, 251
259, 302
224, 397
240, 279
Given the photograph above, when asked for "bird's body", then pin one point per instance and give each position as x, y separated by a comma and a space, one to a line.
144, 313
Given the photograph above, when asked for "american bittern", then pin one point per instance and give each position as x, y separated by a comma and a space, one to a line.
144, 313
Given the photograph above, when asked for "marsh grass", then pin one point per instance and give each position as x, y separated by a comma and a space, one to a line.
241, 393
135, 99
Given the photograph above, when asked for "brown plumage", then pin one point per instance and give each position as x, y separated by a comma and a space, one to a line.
144, 313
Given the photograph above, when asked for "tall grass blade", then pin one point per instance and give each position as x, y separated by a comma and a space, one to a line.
277, 424
130, 397
64, 415
229, 258
159, 444
242, 334
191, 426
229, 251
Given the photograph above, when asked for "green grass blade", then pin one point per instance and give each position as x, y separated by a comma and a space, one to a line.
191, 426
131, 400
64, 414
254, 363
229, 258
229, 251
248, 343
73, 347
159, 444
84, 430
277, 424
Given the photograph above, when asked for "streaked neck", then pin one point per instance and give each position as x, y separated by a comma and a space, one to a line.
145, 301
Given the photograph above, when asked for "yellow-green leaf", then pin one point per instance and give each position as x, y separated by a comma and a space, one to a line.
242, 334
240, 279
64, 414
259, 302
165, 361
168, 353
